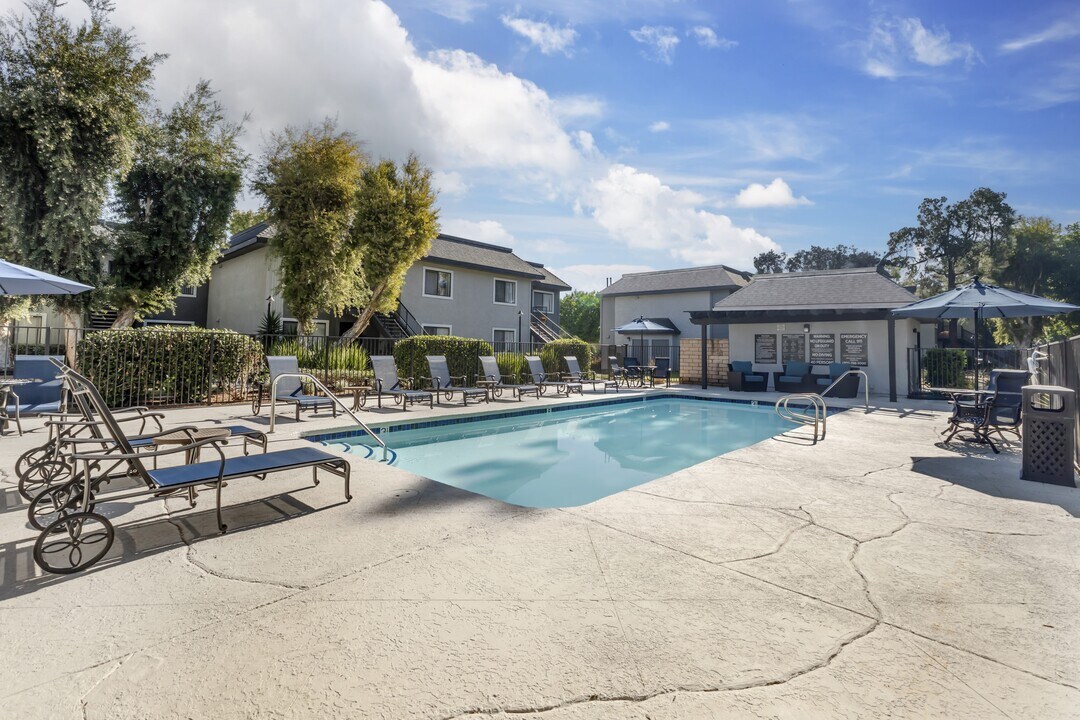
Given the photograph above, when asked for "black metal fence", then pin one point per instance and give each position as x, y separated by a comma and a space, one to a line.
955, 367
1062, 367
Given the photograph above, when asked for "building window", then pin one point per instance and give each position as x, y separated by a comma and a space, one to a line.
189, 291
438, 330
505, 292
504, 339
543, 300
289, 326
438, 283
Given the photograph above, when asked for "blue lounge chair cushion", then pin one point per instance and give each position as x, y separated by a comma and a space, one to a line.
752, 378
241, 466
797, 369
790, 378
743, 366
34, 408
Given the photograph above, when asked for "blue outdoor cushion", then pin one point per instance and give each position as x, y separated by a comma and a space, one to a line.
241, 466
797, 368
790, 378
743, 366
34, 408
752, 378
838, 369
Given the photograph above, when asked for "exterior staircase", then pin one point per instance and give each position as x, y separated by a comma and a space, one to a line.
101, 320
543, 328
399, 324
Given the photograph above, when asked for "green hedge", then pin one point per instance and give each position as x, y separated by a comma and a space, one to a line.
170, 365
553, 353
462, 355
513, 367
945, 367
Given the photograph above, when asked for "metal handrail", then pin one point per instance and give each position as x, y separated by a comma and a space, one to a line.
408, 320
821, 412
866, 385
315, 381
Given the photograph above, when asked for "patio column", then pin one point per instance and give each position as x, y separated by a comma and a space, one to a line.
704, 357
891, 324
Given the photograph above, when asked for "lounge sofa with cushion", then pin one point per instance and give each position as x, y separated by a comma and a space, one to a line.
795, 377
848, 387
743, 378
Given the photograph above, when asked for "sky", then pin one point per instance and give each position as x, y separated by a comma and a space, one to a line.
609, 136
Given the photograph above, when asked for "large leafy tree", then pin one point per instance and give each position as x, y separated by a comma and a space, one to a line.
395, 222
308, 179
241, 220
816, 257
1029, 261
579, 314
71, 105
174, 205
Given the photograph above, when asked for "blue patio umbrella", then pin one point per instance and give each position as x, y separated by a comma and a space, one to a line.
19, 280
976, 300
641, 326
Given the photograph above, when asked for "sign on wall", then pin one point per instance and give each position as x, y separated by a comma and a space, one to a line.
822, 348
794, 347
854, 349
765, 349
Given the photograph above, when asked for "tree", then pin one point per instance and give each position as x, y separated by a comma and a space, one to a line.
241, 220
174, 205
309, 180
816, 257
396, 220
580, 315
71, 102
1030, 258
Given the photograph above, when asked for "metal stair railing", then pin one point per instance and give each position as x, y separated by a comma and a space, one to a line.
337, 401
866, 385
802, 416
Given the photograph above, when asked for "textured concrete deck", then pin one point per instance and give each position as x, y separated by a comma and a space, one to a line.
877, 574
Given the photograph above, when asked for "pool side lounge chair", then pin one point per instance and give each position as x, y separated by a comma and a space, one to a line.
490, 367
743, 378
550, 380
794, 378
575, 375
290, 390
387, 382
442, 382
79, 536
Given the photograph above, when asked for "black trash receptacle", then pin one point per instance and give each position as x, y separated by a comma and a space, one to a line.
1049, 434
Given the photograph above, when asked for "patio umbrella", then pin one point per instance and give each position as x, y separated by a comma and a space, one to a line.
642, 326
19, 280
976, 300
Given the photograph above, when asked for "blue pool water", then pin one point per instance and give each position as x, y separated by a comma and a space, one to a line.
575, 456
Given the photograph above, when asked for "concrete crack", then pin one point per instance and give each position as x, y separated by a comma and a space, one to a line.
80, 704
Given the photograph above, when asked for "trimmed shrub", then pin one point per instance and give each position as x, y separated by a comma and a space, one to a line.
945, 367
462, 355
171, 365
513, 367
552, 354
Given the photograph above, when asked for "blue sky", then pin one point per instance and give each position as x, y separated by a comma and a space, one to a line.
603, 137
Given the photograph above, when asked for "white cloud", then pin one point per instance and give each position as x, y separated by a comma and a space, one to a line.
707, 37
488, 231
550, 39
638, 210
594, 277
767, 138
897, 46
1060, 30
579, 107
775, 194
659, 126
449, 182
460, 10
660, 42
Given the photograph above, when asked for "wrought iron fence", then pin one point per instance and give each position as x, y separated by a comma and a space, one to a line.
955, 367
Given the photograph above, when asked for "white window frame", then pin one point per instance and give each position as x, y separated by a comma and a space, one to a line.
509, 330
449, 328
193, 294
423, 280
168, 322
495, 291
543, 292
324, 324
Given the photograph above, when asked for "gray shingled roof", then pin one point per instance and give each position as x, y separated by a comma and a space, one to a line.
712, 277
469, 253
550, 278
856, 288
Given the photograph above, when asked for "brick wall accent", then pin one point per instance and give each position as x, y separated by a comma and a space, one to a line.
690, 361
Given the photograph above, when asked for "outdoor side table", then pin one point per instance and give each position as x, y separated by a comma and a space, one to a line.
359, 394
489, 385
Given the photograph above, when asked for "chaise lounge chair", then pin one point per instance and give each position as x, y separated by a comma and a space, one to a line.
388, 383
743, 378
490, 367
575, 375
290, 390
549, 380
79, 536
442, 382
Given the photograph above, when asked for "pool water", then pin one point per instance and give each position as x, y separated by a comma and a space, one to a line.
573, 457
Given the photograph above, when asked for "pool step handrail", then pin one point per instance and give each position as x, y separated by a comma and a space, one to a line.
800, 415
337, 401
865, 384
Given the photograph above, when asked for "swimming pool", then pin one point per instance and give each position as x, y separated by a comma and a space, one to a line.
573, 456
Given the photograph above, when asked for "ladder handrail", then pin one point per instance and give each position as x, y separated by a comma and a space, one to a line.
315, 381
866, 385
821, 412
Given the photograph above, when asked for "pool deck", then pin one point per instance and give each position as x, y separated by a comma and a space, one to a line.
878, 573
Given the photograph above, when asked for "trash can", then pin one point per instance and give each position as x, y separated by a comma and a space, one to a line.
1049, 434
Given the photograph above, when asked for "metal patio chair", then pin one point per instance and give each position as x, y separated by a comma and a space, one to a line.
442, 382
576, 375
387, 382
493, 377
289, 389
550, 380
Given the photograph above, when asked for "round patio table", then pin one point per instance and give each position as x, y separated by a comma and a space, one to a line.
643, 371
359, 394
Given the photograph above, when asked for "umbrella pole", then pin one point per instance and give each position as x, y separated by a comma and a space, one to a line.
976, 348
